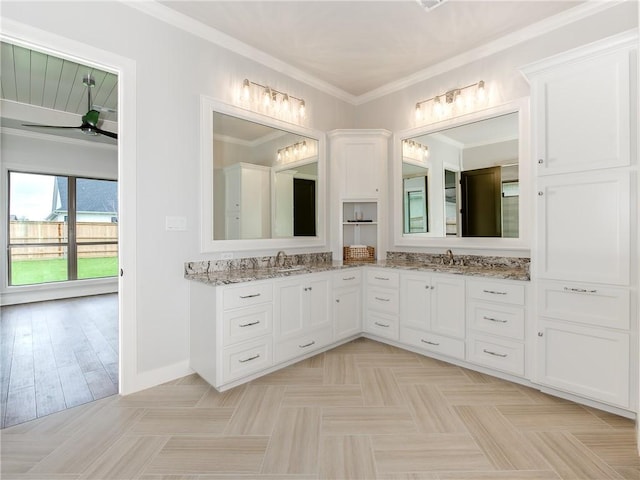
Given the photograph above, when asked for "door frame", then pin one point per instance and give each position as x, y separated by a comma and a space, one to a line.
33, 38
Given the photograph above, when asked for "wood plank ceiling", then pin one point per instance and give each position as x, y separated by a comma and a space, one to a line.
39, 79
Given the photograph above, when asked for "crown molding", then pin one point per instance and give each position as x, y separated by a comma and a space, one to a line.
195, 27
234, 45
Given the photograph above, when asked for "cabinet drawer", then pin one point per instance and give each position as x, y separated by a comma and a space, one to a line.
383, 300
246, 295
303, 344
246, 358
246, 323
500, 354
383, 278
347, 278
496, 319
590, 304
433, 342
382, 325
497, 291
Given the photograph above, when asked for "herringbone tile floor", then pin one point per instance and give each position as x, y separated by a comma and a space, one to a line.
364, 410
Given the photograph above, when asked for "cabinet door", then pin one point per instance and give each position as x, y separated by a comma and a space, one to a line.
415, 300
447, 309
361, 169
289, 309
584, 227
347, 313
587, 361
582, 115
317, 301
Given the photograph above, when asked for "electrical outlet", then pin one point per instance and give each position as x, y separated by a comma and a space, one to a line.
226, 256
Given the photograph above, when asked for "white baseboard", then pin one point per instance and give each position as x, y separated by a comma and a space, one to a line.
152, 378
57, 291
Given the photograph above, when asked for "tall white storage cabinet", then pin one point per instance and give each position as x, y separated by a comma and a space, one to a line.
359, 184
247, 201
584, 120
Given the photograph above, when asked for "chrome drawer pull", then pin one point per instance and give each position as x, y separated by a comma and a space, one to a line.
313, 342
502, 355
494, 292
579, 290
249, 324
495, 320
349, 278
428, 342
382, 299
381, 325
250, 296
250, 358
386, 279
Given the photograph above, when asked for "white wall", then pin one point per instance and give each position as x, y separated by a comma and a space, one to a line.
173, 68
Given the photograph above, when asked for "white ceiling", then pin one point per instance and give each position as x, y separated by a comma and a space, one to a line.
360, 46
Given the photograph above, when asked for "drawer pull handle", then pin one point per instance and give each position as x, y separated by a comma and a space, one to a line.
313, 342
382, 299
579, 290
494, 292
250, 296
497, 320
249, 324
349, 278
428, 342
381, 324
501, 355
250, 358
386, 279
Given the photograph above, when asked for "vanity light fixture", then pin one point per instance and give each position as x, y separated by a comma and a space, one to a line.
415, 150
453, 102
268, 100
293, 152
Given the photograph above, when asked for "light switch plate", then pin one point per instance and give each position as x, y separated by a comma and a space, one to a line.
176, 224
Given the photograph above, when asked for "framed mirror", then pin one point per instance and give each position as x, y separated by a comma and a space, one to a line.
262, 184
465, 181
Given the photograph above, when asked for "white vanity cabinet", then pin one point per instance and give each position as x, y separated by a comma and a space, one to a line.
432, 312
231, 330
347, 303
496, 316
586, 213
302, 315
382, 303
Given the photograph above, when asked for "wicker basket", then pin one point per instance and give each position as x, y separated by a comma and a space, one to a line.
358, 254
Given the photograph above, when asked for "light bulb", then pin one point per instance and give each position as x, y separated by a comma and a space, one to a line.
458, 99
425, 151
418, 112
480, 93
437, 107
274, 100
279, 155
304, 146
266, 97
246, 89
302, 109
285, 102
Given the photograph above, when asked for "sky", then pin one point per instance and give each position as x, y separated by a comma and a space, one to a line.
31, 195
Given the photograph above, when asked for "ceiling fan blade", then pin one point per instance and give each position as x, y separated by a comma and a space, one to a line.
46, 126
105, 132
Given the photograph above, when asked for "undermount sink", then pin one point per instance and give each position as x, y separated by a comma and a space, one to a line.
296, 268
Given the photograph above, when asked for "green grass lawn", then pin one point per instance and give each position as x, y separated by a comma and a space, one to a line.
28, 272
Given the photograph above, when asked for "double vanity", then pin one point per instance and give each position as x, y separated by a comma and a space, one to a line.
250, 320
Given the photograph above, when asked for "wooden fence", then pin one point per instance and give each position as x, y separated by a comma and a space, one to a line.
26, 232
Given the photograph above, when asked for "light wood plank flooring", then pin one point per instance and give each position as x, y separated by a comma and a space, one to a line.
56, 355
364, 410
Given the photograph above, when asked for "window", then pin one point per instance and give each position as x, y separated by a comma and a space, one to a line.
61, 228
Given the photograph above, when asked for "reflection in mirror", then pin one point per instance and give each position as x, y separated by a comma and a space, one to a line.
264, 181
463, 181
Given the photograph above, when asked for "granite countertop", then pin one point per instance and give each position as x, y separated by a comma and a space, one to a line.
240, 275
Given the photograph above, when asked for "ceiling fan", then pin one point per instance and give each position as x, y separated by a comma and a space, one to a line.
89, 120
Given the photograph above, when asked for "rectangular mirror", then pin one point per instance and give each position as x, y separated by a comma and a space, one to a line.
263, 182
464, 181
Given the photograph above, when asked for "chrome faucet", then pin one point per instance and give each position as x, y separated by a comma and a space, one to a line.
281, 258
449, 256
